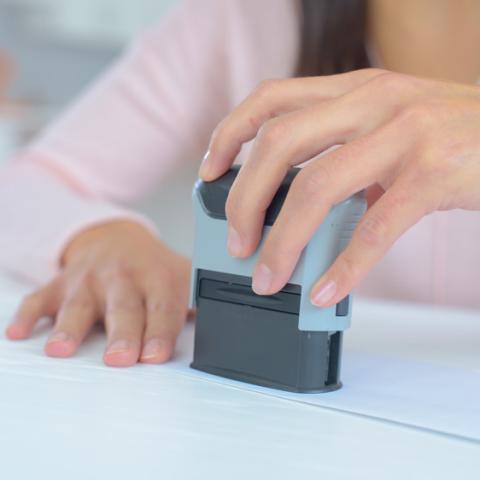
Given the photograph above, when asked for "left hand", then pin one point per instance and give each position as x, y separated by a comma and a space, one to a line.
418, 139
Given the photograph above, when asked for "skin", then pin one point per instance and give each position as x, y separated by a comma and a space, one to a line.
414, 138
121, 274
427, 38
418, 139
413, 143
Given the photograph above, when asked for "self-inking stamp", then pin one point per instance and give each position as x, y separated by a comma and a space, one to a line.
282, 340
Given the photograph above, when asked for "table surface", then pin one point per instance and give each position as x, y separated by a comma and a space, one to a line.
78, 419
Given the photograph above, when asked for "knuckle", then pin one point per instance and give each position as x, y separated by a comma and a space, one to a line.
280, 250
243, 214
426, 168
450, 158
78, 302
397, 199
372, 230
453, 151
420, 116
156, 275
312, 183
238, 211
432, 163
266, 87
116, 270
127, 304
391, 82
78, 283
350, 268
366, 74
232, 207
374, 71
163, 330
272, 133
163, 307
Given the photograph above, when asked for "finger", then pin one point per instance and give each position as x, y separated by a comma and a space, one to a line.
398, 209
124, 321
42, 303
373, 193
166, 316
270, 99
76, 316
291, 140
316, 189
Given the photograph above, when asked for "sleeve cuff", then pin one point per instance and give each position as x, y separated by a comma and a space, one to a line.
40, 215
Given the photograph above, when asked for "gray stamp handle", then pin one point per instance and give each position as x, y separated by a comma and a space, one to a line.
279, 341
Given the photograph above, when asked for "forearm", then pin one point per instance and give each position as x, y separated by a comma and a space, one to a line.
40, 214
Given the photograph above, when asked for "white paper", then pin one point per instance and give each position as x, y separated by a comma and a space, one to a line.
420, 384
439, 398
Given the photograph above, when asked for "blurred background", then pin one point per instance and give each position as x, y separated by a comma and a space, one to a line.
52, 49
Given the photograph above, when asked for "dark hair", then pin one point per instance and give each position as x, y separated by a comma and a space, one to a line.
333, 37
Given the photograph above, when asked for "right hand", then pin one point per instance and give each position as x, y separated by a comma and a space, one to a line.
119, 273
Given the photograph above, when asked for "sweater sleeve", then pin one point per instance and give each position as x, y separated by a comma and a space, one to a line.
155, 108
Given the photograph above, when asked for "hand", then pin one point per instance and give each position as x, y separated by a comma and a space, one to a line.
417, 140
120, 273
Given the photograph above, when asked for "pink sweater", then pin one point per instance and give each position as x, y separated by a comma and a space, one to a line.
156, 108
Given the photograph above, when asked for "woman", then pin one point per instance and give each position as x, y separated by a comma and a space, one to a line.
159, 105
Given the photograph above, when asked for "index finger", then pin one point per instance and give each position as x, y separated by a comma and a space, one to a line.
272, 98
315, 190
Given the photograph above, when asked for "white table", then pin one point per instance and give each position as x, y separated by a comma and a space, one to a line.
78, 419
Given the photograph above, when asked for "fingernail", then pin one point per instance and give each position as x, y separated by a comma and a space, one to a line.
120, 346
234, 242
262, 279
325, 294
59, 337
15, 331
60, 345
152, 348
205, 166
